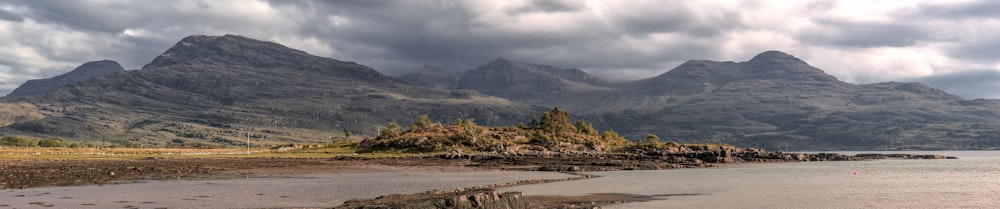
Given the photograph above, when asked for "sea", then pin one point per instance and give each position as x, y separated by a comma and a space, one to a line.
971, 181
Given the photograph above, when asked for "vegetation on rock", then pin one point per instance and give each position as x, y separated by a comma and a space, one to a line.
554, 132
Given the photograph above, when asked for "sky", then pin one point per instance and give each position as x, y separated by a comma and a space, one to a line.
951, 45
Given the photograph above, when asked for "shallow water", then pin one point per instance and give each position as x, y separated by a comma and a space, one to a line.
973, 181
314, 190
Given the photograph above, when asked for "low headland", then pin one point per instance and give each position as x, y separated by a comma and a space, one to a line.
552, 143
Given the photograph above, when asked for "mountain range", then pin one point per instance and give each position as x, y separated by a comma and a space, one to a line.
220, 90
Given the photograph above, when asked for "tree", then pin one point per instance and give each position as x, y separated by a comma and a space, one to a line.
52, 142
613, 139
422, 122
472, 131
652, 138
610, 135
11, 141
556, 121
391, 129
347, 134
585, 128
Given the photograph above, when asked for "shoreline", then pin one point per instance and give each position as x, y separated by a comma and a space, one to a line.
44, 173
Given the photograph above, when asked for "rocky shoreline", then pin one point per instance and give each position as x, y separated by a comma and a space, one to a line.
651, 159
37, 173
655, 159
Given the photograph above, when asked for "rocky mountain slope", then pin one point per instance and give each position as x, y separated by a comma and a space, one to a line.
83, 72
535, 84
774, 100
217, 90
220, 90
432, 77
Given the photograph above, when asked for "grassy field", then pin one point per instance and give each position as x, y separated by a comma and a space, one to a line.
301, 151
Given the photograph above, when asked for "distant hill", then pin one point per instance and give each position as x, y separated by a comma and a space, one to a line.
535, 84
83, 72
433, 77
216, 90
219, 90
774, 101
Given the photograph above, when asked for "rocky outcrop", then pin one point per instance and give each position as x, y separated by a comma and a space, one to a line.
656, 159
478, 199
83, 72
904, 156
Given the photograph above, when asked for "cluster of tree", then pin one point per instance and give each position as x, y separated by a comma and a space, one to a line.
555, 129
13, 141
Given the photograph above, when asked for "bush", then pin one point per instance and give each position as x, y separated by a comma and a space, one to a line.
53, 142
10, 141
390, 130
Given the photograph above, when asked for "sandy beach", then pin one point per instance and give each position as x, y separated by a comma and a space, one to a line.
265, 191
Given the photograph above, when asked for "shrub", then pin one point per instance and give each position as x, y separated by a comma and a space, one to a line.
53, 142
390, 130
11, 141
422, 122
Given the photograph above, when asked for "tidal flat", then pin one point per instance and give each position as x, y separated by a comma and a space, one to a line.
273, 191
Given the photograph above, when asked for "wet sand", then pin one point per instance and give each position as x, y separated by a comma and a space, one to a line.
269, 191
313, 183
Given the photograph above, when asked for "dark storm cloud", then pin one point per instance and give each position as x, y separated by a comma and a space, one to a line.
557, 5
383, 32
678, 19
398, 36
865, 34
983, 46
967, 84
615, 39
984, 51
972, 9
79, 15
9, 16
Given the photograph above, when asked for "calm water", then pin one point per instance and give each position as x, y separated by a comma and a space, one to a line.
973, 181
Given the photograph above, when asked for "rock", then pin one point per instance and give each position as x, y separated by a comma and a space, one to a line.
479, 199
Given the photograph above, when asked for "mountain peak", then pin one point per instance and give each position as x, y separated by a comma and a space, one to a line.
100, 63
242, 53
231, 49
83, 72
501, 60
772, 56
780, 65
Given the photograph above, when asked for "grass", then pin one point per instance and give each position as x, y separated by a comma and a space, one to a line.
14, 153
327, 150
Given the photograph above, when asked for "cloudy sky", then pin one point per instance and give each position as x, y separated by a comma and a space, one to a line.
952, 45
